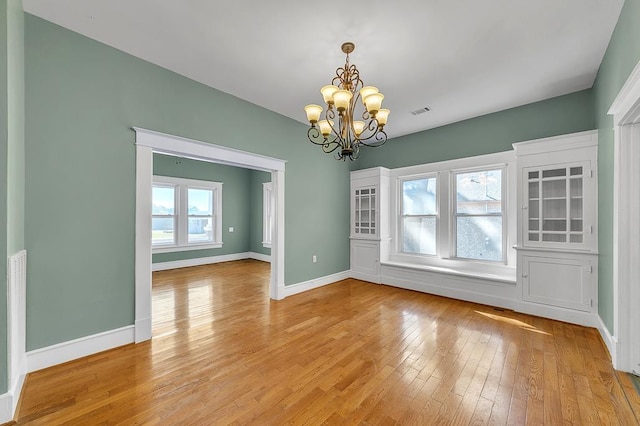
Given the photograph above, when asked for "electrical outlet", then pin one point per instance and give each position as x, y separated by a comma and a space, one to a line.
231, 229
314, 258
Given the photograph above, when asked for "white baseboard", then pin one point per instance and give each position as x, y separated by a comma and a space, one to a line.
6, 402
78, 348
586, 319
292, 289
143, 329
198, 261
453, 293
610, 342
9, 400
260, 256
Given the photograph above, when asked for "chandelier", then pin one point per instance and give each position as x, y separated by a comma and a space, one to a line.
342, 131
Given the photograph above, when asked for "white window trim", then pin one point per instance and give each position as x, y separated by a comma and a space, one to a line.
267, 214
445, 245
182, 185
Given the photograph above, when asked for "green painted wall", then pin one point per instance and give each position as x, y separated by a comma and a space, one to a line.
257, 212
82, 98
12, 157
486, 134
4, 122
236, 202
621, 57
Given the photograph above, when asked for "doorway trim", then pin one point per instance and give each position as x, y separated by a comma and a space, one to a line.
626, 226
149, 142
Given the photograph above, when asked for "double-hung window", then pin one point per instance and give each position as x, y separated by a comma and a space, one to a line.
187, 214
163, 222
453, 215
419, 215
477, 214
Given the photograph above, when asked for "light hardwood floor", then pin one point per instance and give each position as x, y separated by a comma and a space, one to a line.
348, 353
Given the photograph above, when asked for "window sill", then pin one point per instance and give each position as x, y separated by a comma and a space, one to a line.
503, 273
172, 249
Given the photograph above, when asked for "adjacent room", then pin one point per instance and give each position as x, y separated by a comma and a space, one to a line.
258, 213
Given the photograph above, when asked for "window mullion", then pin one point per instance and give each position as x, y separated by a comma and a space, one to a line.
183, 218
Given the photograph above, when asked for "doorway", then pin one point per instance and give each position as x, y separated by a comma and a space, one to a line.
148, 142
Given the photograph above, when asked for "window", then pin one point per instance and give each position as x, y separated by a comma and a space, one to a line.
453, 215
187, 214
478, 208
267, 214
164, 215
419, 215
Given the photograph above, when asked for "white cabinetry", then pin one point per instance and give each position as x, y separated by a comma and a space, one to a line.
369, 225
557, 226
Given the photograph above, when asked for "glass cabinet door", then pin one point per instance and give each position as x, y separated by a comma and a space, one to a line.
365, 211
554, 205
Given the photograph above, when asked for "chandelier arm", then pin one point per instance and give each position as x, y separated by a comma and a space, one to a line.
327, 145
380, 139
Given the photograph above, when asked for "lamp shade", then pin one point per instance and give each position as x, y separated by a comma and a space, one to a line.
325, 127
327, 93
313, 113
366, 91
373, 102
341, 98
358, 127
382, 116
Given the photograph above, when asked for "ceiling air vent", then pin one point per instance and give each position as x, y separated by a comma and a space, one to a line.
421, 111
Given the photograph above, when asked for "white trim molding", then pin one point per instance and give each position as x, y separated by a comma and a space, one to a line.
78, 348
9, 400
198, 261
301, 287
259, 256
610, 342
148, 142
626, 227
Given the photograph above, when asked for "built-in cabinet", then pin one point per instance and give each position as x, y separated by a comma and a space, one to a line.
556, 202
369, 223
557, 226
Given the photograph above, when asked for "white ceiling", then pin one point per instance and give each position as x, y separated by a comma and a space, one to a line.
461, 58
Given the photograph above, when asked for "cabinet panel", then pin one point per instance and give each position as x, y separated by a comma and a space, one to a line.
365, 256
557, 281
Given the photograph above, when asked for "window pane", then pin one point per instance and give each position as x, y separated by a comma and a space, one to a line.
479, 192
419, 196
162, 231
419, 235
479, 238
200, 230
163, 200
200, 202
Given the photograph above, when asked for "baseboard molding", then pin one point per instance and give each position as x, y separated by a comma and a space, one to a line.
6, 404
259, 256
292, 289
610, 342
78, 348
9, 400
143, 329
586, 319
453, 293
198, 261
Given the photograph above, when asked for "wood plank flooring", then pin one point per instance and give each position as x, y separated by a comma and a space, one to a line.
348, 353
